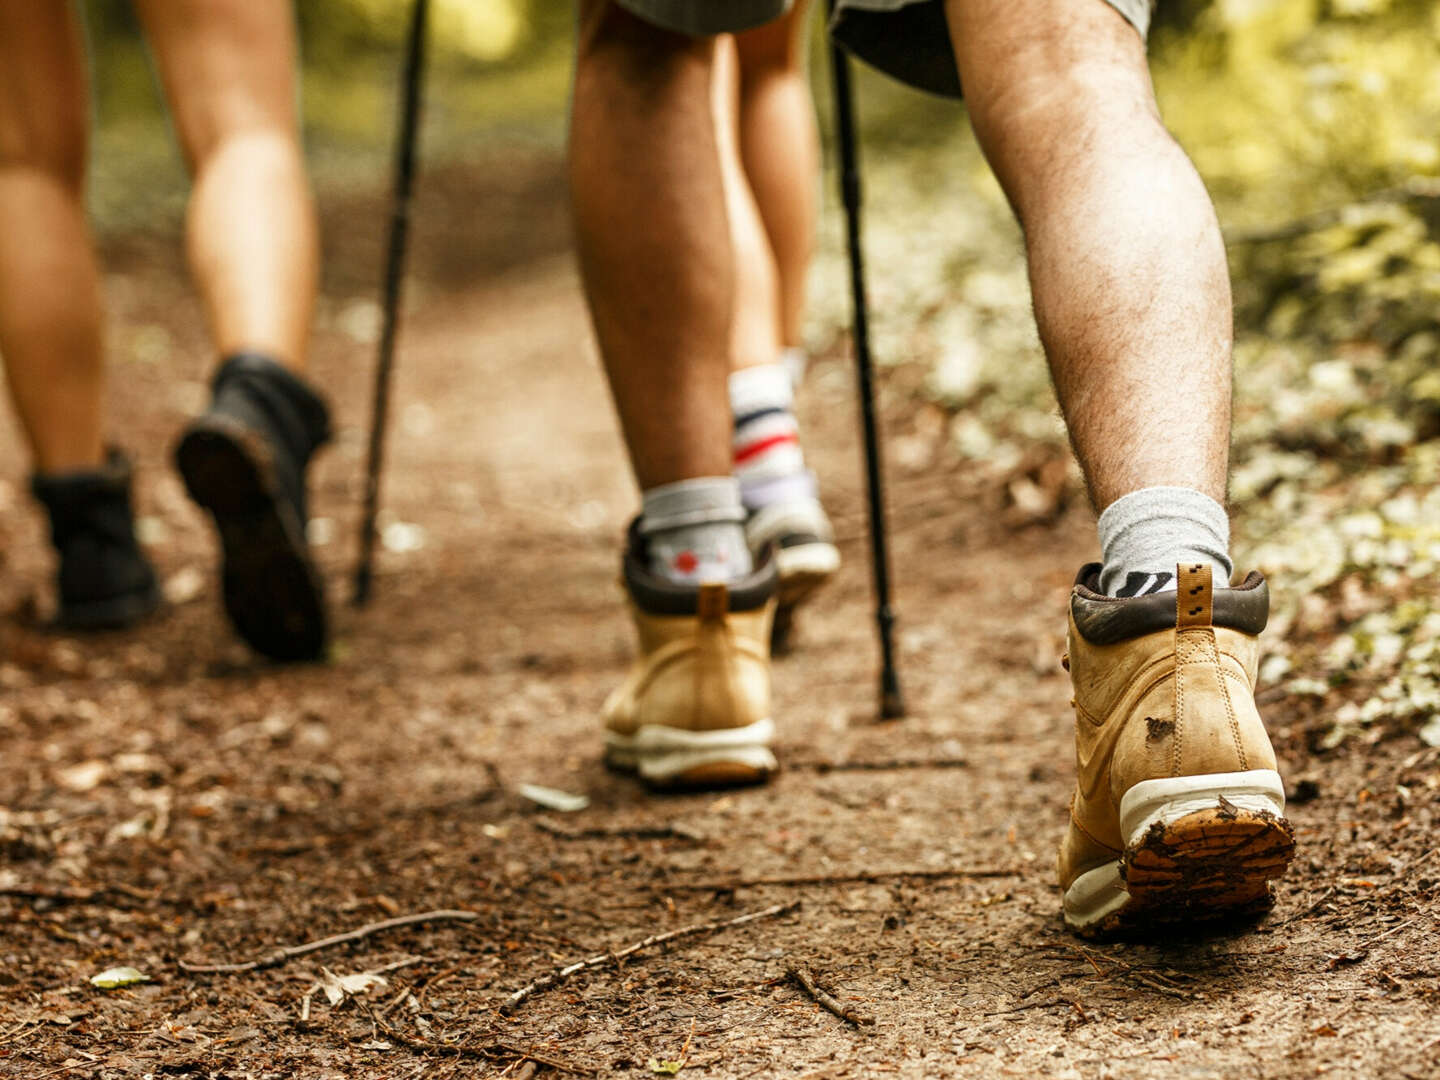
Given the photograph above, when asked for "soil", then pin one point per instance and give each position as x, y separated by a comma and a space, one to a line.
169, 797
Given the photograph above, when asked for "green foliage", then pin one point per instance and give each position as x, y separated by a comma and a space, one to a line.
1289, 105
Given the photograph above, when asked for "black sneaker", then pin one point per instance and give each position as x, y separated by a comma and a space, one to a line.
244, 461
105, 580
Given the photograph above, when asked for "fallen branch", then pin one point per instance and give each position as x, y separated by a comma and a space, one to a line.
872, 877
290, 952
826, 1000
487, 1049
637, 832
68, 895
559, 975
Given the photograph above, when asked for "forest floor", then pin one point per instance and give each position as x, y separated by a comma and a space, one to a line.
168, 797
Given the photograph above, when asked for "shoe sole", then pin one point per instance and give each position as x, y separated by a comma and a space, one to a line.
673, 758
1198, 848
114, 613
273, 593
802, 570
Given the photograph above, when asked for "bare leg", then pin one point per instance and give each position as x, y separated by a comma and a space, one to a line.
653, 240
1132, 294
229, 72
50, 303
755, 326
781, 152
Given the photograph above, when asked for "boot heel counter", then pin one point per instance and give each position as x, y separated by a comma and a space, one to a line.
731, 670
1216, 721
705, 673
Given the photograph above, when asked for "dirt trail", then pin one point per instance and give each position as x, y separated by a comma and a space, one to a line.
166, 796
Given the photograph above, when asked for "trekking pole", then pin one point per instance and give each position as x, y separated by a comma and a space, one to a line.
411, 91
892, 705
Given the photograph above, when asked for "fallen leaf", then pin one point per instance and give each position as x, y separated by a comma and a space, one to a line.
82, 777
117, 977
337, 987
665, 1068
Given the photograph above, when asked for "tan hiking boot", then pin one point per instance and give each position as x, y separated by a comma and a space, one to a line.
694, 710
1178, 813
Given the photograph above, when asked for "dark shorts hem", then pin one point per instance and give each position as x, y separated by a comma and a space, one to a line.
702, 18
910, 39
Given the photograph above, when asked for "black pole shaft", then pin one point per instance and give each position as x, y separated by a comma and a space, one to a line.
409, 134
892, 705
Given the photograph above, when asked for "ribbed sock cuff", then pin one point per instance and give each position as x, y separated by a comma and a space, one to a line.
1144, 535
704, 500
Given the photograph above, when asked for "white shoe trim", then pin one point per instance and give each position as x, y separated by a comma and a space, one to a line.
1167, 800
770, 523
1095, 894
818, 560
658, 753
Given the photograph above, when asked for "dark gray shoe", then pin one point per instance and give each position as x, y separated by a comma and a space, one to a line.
244, 461
105, 580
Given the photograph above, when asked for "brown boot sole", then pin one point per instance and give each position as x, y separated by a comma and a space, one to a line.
1216, 863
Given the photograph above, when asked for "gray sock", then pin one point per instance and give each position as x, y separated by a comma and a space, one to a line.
1144, 535
696, 531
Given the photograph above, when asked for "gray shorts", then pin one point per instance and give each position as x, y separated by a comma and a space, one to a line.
699, 17
908, 39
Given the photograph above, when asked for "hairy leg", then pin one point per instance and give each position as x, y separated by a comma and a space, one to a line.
781, 151
50, 303
653, 238
228, 67
1127, 267
755, 325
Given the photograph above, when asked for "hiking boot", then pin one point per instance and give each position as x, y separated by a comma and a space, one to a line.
806, 557
244, 461
1178, 814
105, 581
694, 710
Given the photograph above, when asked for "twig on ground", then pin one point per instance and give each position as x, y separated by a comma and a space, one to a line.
1161, 988
826, 1000
1046, 1004
290, 952
559, 975
873, 877
488, 1049
636, 832
64, 895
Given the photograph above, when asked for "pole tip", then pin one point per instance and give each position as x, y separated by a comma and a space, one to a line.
892, 705
362, 587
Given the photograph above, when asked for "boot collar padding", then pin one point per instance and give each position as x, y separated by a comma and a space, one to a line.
654, 595
1108, 620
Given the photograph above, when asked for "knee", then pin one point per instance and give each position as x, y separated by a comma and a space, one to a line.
618, 49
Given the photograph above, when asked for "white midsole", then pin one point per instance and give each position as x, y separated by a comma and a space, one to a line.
809, 560
1100, 892
1170, 799
1095, 894
657, 752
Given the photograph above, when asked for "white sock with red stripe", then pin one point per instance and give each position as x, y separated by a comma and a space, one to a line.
768, 460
